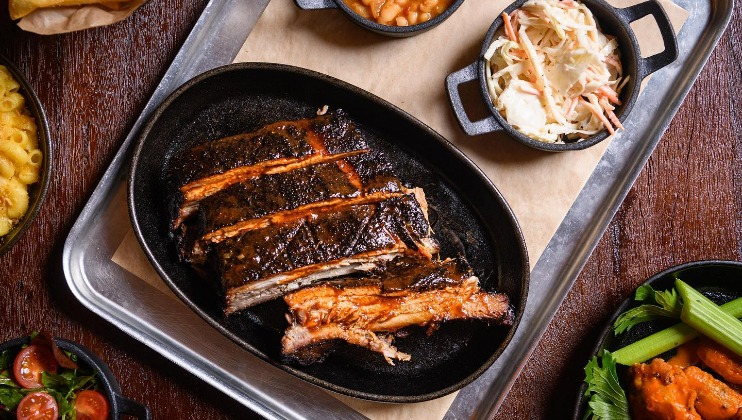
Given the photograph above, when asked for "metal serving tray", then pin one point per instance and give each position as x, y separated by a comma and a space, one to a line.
176, 332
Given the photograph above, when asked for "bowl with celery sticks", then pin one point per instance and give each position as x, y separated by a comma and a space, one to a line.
671, 350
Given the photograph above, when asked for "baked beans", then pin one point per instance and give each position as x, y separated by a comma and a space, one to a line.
398, 12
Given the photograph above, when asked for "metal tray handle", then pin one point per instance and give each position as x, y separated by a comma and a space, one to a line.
316, 4
131, 407
472, 128
649, 65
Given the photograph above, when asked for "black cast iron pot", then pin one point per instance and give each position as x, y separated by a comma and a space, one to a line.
612, 21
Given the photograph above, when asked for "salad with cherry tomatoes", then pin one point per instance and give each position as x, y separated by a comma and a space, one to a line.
40, 381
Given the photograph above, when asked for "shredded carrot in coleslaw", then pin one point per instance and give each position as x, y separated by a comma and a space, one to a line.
553, 74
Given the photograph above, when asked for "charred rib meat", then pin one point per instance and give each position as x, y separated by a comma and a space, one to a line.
307, 210
412, 292
269, 199
279, 147
266, 263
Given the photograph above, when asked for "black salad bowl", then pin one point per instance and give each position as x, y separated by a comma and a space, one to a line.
119, 405
611, 21
391, 31
717, 280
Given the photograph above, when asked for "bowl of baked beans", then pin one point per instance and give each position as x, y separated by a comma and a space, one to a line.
396, 18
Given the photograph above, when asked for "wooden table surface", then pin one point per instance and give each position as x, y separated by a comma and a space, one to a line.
685, 206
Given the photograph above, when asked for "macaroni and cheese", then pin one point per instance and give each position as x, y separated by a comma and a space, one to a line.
20, 157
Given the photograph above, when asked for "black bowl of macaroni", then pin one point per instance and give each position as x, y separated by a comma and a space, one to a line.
25, 154
394, 18
589, 86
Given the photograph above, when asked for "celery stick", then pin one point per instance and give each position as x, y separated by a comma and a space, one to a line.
705, 316
667, 339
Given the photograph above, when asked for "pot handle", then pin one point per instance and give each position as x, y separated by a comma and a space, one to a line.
131, 407
316, 4
472, 128
651, 64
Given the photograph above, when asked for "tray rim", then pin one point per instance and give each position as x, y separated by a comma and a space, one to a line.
480, 399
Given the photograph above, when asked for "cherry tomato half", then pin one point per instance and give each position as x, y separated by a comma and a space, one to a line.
37, 406
91, 405
30, 362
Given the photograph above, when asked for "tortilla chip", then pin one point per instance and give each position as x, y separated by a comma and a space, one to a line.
21, 8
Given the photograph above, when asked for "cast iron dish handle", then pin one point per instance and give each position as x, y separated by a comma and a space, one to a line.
131, 407
316, 4
649, 65
453, 81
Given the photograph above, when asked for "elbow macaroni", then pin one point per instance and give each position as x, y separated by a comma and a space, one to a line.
20, 157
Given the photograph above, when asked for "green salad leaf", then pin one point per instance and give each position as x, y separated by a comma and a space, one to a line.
64, 386
7, 380
6, 359
10, 397
658, 304
607, 400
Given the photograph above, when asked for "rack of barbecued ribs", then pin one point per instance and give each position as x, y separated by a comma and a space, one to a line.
307, 210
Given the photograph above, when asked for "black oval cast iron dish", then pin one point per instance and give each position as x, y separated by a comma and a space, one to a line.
467, 212
388, 30
36, 191
717, 280
611, 21
107, 383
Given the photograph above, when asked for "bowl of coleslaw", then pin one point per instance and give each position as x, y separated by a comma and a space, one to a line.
561, 75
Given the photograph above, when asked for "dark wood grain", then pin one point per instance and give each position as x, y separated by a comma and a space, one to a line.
685, 206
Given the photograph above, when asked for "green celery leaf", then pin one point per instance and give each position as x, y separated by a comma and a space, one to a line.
604, 410
642, 313
643, 293
669, 301
658, 304
607, 399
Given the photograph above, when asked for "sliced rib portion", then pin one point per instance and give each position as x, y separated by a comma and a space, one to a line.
277, 198
265, 263
431, 292
279, 147
312, 345
186, 201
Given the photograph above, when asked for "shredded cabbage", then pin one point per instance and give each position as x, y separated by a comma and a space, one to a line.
552, 74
